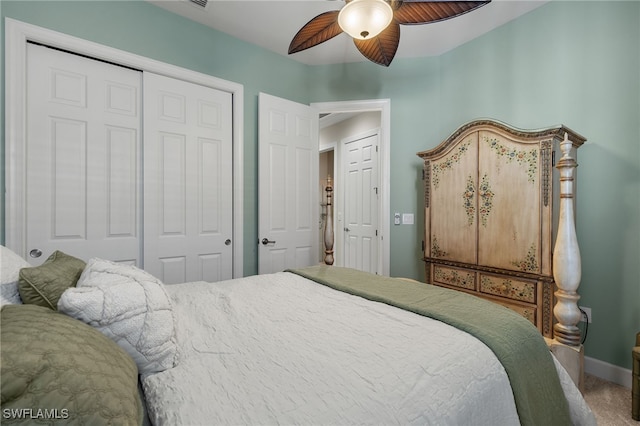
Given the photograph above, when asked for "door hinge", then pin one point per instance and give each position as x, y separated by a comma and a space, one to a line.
376, 232
376, 189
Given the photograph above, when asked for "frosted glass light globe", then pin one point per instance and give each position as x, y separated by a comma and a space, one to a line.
365, 19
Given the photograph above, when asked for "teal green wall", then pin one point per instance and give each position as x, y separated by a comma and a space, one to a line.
150, 31
572, 63
575, 63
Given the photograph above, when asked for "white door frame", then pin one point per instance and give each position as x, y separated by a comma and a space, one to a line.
384, 106
17, 34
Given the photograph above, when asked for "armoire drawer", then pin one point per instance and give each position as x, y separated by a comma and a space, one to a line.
460, 278
529, 312
509, 287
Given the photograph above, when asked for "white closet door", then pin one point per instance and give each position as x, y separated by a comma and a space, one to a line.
82, 157
361, 203
188, 181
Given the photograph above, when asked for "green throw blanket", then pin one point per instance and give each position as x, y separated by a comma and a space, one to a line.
515, 341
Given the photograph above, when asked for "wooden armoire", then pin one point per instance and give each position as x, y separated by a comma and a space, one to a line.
491, 199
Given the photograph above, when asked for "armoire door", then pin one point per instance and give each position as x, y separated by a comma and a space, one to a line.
509, 174
451, 227
82, 157
187, 181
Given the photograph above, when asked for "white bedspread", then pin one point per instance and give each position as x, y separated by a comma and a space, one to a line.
279, 349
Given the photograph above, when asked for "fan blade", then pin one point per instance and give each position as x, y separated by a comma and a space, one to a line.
382, 48
318, 30
422, 12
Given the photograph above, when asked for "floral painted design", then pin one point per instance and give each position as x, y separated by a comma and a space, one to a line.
528, 158
435, 249
486, 199
529, 263
455, 278
467, 200
529, 314
506, 287
450, 161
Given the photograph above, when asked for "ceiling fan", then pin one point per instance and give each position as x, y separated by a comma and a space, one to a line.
375, 24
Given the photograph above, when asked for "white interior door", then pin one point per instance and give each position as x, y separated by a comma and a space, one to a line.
288, 185
188, 199
360, 157
82, 157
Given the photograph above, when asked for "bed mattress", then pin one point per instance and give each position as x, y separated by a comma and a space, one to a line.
281, 349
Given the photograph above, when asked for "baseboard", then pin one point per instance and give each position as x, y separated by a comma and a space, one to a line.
609, 372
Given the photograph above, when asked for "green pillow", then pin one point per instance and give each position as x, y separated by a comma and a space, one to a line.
57, 369
43, 285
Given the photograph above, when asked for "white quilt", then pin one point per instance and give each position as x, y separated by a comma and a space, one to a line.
279, 349
10, 265
129, 306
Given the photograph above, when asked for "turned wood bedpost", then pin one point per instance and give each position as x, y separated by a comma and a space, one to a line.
328, 226
566, 255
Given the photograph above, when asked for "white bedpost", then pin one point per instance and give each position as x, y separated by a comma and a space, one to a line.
566, 344
328, 226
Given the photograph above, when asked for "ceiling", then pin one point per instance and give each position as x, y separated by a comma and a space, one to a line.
271, 24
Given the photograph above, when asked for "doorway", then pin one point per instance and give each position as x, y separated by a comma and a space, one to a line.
336, 112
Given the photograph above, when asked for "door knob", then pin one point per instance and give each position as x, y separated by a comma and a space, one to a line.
35, 253
227, 242
265, 241
347, 229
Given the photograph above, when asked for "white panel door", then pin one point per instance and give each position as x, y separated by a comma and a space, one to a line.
361, 203
188, 181
287, 185
82, 158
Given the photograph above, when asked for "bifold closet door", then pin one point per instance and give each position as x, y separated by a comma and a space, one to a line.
82, 172
187, 181
90, 134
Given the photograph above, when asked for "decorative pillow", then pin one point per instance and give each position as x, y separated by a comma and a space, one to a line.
131, 307
43, 285
10, 265
57, 369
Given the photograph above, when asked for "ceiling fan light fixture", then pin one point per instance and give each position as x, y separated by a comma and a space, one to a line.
365, 19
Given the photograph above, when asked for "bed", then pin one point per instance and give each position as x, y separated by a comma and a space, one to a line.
106, 343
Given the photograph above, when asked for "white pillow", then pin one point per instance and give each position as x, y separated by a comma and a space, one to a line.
10, 265
131, 307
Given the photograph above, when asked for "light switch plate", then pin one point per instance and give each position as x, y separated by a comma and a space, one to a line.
407, 218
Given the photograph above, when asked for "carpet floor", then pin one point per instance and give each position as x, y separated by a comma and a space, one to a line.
611, 403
